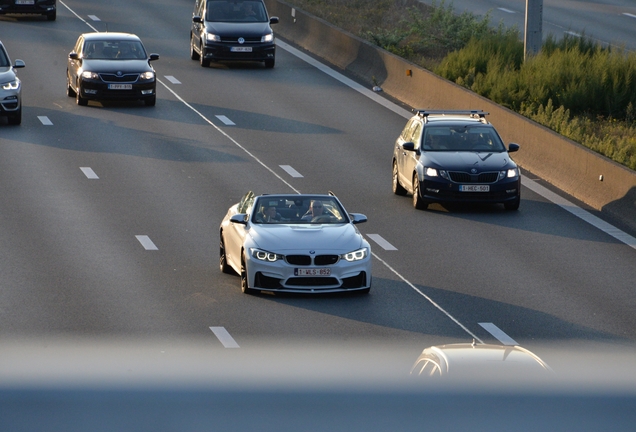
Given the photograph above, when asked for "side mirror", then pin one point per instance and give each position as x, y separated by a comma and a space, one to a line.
18, 64
240, 218
408, 146
153, 57
273, 20
197, 19
512, 147
357, 218
73, 56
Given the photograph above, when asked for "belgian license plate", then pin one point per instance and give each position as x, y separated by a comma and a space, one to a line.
120, 86
241, 49
312, 272
474, 188
24, 2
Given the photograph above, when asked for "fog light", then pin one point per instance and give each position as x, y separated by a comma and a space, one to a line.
432, 190
90, 91
511, 191
146, 92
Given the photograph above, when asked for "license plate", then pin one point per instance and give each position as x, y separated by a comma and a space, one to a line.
241, 49
24, 2
474, 188
120, 86
312, 272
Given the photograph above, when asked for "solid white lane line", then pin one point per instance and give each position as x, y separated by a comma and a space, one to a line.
225, 120
172, 79
78, 17
289, 170
89, 173
45, 120
629, 15
224, 337
507, 10
579, 212
498, 334
381, 242
346, 81
146, 242
236, 143
94, 18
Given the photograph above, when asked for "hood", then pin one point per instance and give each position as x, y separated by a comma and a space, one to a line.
232, 30
112, 66
325, 238
483, 161
6, 74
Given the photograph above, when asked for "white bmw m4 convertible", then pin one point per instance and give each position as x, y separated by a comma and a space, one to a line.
302, 243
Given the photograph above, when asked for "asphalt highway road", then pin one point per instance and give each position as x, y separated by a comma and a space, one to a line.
610, 22
110, 214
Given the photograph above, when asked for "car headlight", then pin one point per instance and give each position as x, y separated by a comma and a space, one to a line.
513, 172
147, 75
90, 75
357, 255
212, 37
262, 255
434, 172
11, 85
268, 38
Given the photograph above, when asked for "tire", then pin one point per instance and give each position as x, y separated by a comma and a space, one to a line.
513, 205
15, 119
79, 99
51, 16
244, 279
269, 64
152, 101
397, 187
418, 202
69, 90
193, 54
223, 265
202, 60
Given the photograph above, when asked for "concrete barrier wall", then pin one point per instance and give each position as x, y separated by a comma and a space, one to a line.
560, 161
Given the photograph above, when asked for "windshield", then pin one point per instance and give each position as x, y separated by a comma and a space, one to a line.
462, 138
235, 11
114, 49
301, 210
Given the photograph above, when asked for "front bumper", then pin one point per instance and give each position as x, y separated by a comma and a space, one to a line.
222, 51
9, 101
99, 90
280, 276
440, 190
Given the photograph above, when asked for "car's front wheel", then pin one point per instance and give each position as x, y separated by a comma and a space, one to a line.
202, 60
69, 90
244, 279
513, 205
151, 101
15, 118
223, 265
193, 54
397, 187
51, 15
270, 63
418, 202
78, 97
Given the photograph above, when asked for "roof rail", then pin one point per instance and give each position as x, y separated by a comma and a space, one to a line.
472, 113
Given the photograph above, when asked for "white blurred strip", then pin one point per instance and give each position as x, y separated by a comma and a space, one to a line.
498, 334
89, 173
289, 170
146, 242
381, 242
45, 120
172, 79
224, 337
225, 120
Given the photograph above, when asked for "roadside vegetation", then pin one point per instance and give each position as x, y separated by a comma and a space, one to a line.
574, 86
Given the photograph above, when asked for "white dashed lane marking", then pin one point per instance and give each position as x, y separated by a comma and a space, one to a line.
146, 242
498, 334
289, 170
45, 120
507, 10
94, 18
89, 173
172, 79
381, 242
225, 120
224, 337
